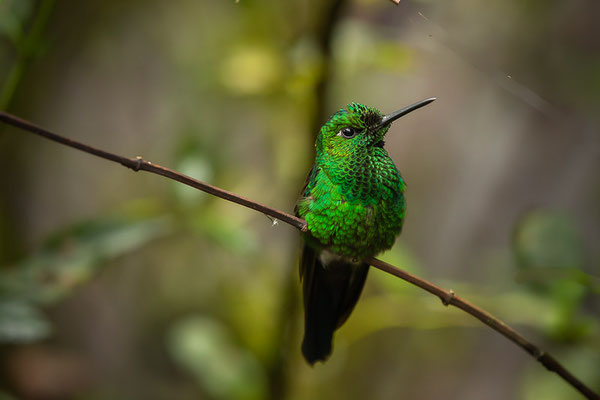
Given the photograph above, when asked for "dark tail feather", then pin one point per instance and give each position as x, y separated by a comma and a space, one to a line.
330, 295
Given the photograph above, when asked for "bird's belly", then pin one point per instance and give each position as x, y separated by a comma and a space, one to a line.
354, 229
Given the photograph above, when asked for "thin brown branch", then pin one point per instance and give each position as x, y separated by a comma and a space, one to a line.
447, 296
139, 164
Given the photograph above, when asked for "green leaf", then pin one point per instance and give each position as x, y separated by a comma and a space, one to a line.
70, 258
21, 323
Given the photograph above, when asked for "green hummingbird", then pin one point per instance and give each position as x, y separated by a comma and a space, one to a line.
353, 203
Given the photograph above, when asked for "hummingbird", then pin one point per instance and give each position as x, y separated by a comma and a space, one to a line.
353, 204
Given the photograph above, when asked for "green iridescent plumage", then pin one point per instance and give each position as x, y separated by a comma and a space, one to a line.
353, 203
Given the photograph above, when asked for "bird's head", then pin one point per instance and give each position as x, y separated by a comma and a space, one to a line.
357, 129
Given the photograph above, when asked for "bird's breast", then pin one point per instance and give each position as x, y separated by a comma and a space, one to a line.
353, 223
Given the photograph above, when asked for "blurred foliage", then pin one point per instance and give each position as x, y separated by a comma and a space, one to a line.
251, 70
67, 260
224, 369
21, 322
546, 240
550, 256
5, 396
24, 36
160, 291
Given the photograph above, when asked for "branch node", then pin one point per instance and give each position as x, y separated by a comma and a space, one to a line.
446, 300
138, 164
304, 228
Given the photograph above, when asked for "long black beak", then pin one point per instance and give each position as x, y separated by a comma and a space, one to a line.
388, 119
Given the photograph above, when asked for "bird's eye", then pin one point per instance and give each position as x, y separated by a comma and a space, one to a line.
347, 132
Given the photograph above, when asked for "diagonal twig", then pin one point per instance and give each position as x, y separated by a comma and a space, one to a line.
447, 296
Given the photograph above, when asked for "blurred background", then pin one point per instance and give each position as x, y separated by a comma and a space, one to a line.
117, 285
